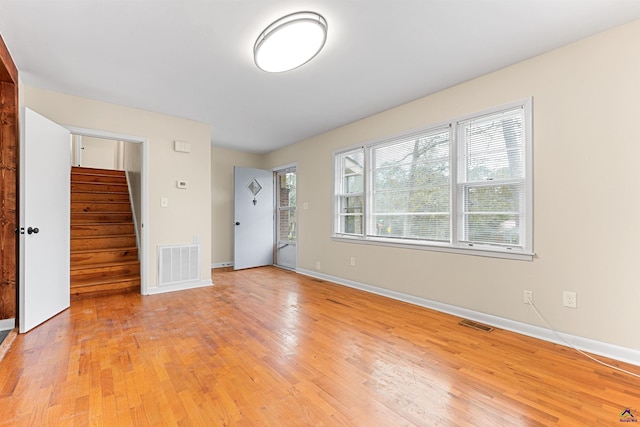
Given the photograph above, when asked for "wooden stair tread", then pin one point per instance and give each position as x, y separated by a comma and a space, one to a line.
98, 173
96, 217
125, 202
101, 184
88, 257
82, 173
93, 224
103, 236
81, 292
104, 280
82, 169
100, 192
89, 214
104, 265
81, 251
105, 288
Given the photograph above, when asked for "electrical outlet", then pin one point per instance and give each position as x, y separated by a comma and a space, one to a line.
353, 261
569, 299
317, 265
527, 297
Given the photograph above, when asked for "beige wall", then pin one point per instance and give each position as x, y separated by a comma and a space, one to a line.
222, 163
97, 153
189, 211
586, 112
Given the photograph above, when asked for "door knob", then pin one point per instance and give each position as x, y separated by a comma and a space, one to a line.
237, 222
32, 230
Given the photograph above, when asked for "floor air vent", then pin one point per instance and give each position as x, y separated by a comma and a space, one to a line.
178, 264
475, 325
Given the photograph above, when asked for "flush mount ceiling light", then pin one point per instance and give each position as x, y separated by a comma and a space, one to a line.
290, 42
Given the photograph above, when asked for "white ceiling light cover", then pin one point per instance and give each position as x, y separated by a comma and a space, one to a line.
290, 42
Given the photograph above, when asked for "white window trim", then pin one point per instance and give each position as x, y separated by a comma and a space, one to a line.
525, 253
337, 175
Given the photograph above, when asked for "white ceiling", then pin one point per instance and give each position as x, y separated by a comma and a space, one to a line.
193, 58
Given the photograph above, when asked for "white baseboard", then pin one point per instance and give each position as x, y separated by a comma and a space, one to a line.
612, 351
7, 324
179, 287
222, 264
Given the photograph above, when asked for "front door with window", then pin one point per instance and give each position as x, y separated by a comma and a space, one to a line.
253, 211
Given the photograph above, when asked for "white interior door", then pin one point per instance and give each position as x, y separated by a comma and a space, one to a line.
45, 166
253, 211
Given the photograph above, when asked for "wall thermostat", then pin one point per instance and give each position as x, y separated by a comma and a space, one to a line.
182, 184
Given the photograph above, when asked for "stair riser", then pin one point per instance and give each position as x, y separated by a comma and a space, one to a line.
100, 207
98, 178
94, 171
105, 289
91, 274
86, 186
111, 242
101, 230
92, 217
99, 197
118, 255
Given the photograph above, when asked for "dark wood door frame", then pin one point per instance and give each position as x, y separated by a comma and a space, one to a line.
9, 134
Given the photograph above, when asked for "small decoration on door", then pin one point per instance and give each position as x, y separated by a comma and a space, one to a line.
255, 187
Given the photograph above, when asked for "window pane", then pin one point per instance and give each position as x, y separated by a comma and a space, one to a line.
410, 196
497, 198
435, 199
493, 228
287, 190
287, 225
389, 176
352, 171
492, 214
349, 192
420, 227
353, 184
495, 147
351, 204
351, 224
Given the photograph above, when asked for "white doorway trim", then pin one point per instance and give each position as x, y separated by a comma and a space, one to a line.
144, 239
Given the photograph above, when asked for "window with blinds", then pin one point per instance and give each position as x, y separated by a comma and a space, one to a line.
492, 179
464, 185
410, 194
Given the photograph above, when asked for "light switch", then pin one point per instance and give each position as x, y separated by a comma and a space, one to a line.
181, 146
164, 202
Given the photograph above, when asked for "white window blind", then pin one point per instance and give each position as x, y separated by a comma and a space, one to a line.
410, 187
492, 179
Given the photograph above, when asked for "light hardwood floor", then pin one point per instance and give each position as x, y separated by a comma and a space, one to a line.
268, 347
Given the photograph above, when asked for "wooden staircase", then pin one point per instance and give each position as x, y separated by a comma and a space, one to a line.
104, 253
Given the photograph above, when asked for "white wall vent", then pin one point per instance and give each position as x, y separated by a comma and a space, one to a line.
178, 264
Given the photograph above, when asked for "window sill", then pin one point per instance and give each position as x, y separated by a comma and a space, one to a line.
483, 251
